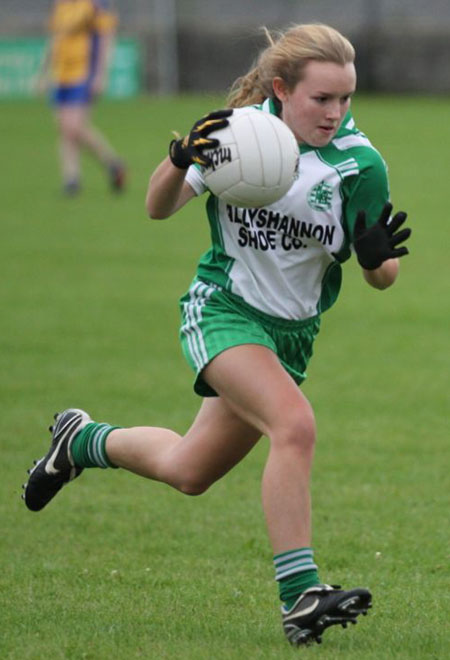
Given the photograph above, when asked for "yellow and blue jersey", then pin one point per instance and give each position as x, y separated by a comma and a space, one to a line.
76, 27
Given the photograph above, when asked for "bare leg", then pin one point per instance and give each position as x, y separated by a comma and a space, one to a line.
261, 392
217, 440
256, 396
69, 147
95, 142
76, 131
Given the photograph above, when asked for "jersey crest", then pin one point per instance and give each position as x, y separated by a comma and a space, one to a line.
320, 196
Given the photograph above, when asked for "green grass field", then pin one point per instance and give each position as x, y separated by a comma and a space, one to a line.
118, 567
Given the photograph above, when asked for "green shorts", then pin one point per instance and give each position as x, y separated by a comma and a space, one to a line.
214, 320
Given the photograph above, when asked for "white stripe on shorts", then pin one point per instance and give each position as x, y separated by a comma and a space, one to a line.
199, 296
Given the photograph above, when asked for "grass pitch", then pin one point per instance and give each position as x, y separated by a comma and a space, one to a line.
118, 567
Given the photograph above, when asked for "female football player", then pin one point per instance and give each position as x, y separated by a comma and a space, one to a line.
76, 67
250, 316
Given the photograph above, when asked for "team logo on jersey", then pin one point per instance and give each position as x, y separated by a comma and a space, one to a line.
320, 196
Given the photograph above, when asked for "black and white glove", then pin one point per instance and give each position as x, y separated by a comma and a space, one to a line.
379, 242
188, 150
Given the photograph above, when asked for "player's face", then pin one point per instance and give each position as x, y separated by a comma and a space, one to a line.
316, 106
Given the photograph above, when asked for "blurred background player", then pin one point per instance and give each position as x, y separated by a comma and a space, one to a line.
75, 72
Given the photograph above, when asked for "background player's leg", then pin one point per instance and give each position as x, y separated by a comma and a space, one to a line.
68, 119
76, 132
94, 141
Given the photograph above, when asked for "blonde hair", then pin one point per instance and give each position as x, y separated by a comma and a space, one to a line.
286, 57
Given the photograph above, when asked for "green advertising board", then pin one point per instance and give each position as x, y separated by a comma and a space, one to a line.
124, 77
21, 61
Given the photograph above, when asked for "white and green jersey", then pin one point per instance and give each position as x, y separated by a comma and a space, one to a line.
284, 259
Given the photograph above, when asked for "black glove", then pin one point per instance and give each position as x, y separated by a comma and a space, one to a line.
378, 243
189, 150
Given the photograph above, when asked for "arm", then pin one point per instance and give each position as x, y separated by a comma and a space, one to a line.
167, 191
377, 247
104, 24
384, 276
105, 48
371, 230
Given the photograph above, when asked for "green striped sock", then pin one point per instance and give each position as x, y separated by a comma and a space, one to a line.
295, 571
88, 446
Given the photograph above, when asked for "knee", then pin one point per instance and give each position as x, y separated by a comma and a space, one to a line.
296, 431
193, 486
186, 479
71, 131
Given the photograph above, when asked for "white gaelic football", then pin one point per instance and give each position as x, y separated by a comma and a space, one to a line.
256, 161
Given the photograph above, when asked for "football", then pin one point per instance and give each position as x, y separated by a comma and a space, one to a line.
256, 161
